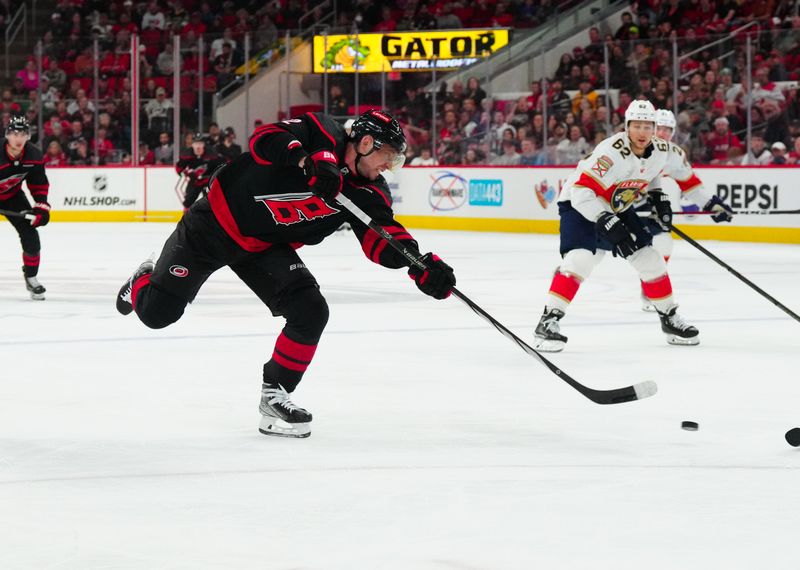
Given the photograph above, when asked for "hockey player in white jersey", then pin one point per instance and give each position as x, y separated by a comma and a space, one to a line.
690, 187
597, 215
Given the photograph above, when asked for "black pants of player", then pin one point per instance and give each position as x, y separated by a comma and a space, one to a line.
198, 247
28, 236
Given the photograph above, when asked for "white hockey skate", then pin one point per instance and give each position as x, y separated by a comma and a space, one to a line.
35, 288
548, 334
677, 330
279, 415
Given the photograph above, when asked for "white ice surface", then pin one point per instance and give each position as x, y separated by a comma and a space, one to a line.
437, 443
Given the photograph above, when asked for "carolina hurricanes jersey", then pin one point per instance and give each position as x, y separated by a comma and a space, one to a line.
29, 166
200, 168
262, 198
612, 178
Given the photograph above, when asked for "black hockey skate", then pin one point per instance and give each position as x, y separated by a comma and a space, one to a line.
35, 288
677, 331
279, 414
548, 333
124, 304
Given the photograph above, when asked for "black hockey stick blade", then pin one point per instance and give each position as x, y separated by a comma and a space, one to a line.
13, 214
615, 396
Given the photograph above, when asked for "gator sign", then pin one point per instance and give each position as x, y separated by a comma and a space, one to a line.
406, 51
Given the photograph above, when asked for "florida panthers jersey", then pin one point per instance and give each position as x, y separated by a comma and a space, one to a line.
262, 198
690, 186
28, 167
612, 178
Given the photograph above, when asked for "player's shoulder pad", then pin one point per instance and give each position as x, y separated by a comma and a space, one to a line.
32, 153
328, 126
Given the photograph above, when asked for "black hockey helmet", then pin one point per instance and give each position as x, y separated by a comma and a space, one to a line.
199, 137
382, 127
18, 124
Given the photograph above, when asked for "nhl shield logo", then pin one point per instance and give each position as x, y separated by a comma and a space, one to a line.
100, 183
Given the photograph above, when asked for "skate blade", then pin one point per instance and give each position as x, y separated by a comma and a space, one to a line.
37, 296
680, 341
544, 345
276, 427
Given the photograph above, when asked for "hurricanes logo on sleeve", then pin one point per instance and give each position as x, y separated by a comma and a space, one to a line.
288, 209
8, 183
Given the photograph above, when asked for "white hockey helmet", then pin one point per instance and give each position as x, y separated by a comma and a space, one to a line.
640, 111
665, 118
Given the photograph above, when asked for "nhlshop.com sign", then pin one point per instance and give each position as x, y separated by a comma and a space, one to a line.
95, 189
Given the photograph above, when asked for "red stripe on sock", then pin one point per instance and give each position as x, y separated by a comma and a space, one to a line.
660, 288
30, 260
143, 281
295, 350
286, 363
565, 286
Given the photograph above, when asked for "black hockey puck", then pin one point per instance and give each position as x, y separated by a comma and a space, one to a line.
793, 437
689, 426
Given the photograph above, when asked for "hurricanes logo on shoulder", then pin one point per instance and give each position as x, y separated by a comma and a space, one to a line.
179, 271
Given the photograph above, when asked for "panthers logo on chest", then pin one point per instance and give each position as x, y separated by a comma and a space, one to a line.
625, 193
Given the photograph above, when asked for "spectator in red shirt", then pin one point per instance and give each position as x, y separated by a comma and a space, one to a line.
387, 23
721, 140
54, 155
102, 146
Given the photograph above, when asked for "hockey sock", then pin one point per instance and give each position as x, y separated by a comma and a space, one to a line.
30, 264
137, 286
659, 291
289, 361
563, 289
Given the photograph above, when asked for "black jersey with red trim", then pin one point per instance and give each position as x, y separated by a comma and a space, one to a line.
29, 166
199, 168
262, 197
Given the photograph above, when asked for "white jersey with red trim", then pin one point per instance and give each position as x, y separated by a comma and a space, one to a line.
612, 178
690, 186
679, 169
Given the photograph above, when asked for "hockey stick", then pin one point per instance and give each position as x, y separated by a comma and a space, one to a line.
744, 279
615, 396
741, 213
13, 214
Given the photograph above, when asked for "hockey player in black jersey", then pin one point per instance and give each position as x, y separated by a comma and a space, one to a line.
20, 160
198, 167
260, 208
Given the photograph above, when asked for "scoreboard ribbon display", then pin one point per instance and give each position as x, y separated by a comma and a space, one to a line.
406, 51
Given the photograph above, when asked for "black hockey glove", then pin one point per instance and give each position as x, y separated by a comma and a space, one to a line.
722, 212
323, 175
437, 280
611, 228
41, 211
662, 208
